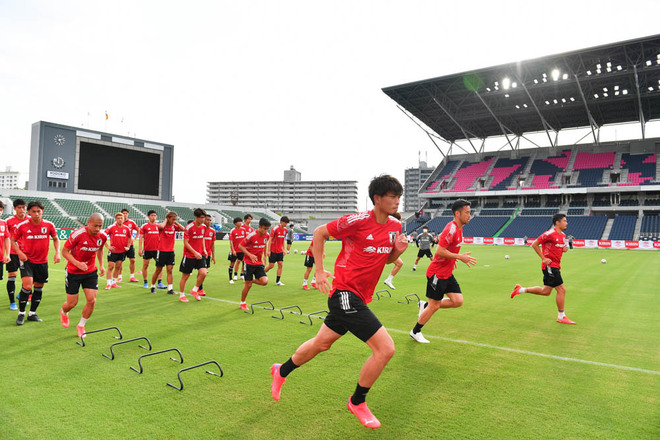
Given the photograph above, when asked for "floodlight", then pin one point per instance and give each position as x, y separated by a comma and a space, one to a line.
605, 95
598, 66
572, 99
536, 81
604, 89
555, 74
650, 88
563, 100
517, 106
514, 84
564, 76
506, 95
588, 72
555, 101
525, 105
648, 63
547, 102
619, 68
625, 92
616, 87
609, 64
596, 95
506, 83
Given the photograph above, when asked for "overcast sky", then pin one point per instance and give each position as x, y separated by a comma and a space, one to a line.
245, 89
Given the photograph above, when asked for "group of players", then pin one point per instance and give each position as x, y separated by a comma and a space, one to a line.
370, 240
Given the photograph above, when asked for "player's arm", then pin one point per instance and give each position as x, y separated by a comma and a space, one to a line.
213, 250
19, 252
465, 257
537, 248
99, 257
68, 256
186, 245
130, 242
321, 234
178, 226
400, 246
140, 244
231, 246
250, 255
56, 244
268, 243
6, 244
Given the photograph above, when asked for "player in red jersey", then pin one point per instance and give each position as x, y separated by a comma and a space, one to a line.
236, 236
369, 241
440, 281
194, 255
12, 266
247, 219
275, 248
165, 257
309, 264
209, 245
130, 253
31, 242
5, 249
148, 244
550, 247
253, 248
398, 264
81, 250
120, 241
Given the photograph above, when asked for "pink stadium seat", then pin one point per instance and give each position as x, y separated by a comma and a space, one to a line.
465, 177
499, 174
561, 162
585, 160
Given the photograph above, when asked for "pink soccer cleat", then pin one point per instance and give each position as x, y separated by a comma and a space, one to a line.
363, 414
195, 295
565, 320
115, 286
183, 299
305, 286
516, 290
278, 381
244, 306
202, 292
134, 280
81, 330
108, 286
64, 319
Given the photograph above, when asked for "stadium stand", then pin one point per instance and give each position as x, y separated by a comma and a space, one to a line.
545, 170
587, 227
526, 226
591, 167
64, 222
623, 227
77, 208
50, 209
641, 168
185, 214
539, 211
650, 227
438, 223
575, 211
114, 207
467, 174
504, 171
484, 226
489, 205
445, 173
497, 212
160, 211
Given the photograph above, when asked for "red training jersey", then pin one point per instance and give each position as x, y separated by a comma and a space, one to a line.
167, 238
34, 240
451, 238
209, 239
236, 236
255, 244
12, 222
83, 247
553, 244
277, 242
119, 236
195, 236
130, 224
247, 228
366, 246
151, 236
4, 233
309, 249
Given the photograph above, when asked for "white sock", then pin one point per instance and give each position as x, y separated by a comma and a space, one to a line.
30, 313
21, 313
181, 294
153, 286
114, 280
561, 315
82, 322
132, 275
170, 287
522, 290
304, 282
313, 279
389, 279
109, 281
414, 266
195, 289
243, 302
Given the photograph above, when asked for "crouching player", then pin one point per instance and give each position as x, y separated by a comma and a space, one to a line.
81, 250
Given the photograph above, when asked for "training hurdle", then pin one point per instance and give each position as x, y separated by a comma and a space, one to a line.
112, 352
286, 308
251, 312
82, 337
196, 366
313, 314
378, 294
180, 360
408, 300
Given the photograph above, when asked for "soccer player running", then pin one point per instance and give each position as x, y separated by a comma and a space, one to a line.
165, 256
550, 247
194, 255
236, 236
253, 248
5, 246
424, 242
369, 241
31, 242
440, 281
289, 238
130, 253
81, 250
309, 264
120, 241
209, 245
148, 245
247, 219
275, 248
398, 264
12, 266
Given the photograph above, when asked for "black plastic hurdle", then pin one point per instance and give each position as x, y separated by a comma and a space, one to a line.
180, 360
125, 342
196, 366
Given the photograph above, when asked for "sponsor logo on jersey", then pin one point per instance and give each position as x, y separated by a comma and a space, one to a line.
377, 250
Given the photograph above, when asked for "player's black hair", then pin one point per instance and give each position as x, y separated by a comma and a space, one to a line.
557, 218
19, 202
2, 205
247, 216
125, 210
151, 211
199, 212
284, 219
384, 184
458, 205
263, 221
36, 203
237, 219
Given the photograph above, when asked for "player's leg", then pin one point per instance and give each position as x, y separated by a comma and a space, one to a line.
69, 304
145, 272
12, 273
170, 277
110, 273
280, 266
308, 270
116, 274
182, 285
536, 290
90, 303
244, 293
201, 275
40, 277
262, 281
398, 264
155, 277
560, 299
270, 266
131, 266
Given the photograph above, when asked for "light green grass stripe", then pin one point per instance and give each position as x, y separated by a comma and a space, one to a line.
533, 353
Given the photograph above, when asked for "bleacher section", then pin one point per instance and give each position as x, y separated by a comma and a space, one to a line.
548, 212
446, 171
114, 207
160, 211
468, 173
504, 171
497, 212
81, 209
50, 210
587, 228
185, 214
438, 224
623, 227
641, 168
531, 227
61, 221
650, 227
544, 170
484, 226
591, 167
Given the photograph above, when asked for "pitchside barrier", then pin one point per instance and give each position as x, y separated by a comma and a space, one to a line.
577, 243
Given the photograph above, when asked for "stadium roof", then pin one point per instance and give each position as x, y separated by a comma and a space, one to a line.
609, 84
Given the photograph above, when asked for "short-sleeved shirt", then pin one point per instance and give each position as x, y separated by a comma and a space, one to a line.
366, 246
83, 247
236, 236
119, 236
255, 244
151, 236
247, 228
209, 239
167, 238
4, 233
552, 244
279, 236
195, 236
12, 222
133, 227
309, 249
425, 241
34, 240
451, 238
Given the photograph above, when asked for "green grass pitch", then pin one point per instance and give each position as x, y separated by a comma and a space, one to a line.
496, 368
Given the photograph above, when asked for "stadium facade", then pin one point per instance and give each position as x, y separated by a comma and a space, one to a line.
414, 179
291, 196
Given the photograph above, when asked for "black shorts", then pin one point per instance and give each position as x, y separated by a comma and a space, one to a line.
130, 253
347, 312
148, 255
207, 261
189, 264
552, 277
254, 271
13, 265
289, 242
38, 272
113, 257
238, 256
424, 253
437, 287
164, 258
73, 282
309, 261
275, 257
